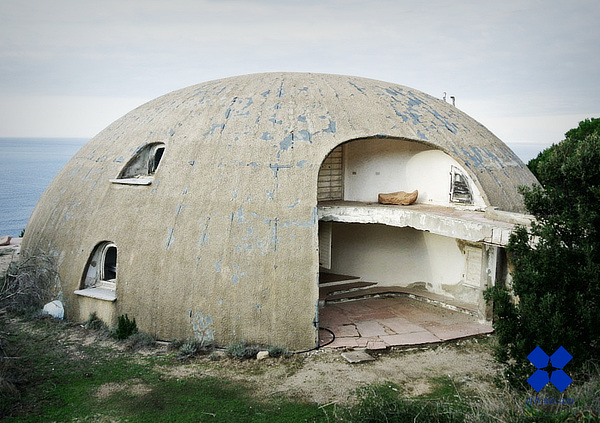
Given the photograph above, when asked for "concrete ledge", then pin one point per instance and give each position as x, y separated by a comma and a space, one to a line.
98, 294
468, 225
132, 181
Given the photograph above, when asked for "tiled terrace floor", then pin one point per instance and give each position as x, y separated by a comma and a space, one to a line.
378, 323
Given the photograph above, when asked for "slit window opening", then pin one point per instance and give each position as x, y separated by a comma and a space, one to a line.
460, 192
144, 163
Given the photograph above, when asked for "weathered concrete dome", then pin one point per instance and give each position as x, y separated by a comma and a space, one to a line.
219, 241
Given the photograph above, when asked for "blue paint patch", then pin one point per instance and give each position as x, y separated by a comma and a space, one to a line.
301, 163
422, 135
171, 132
304, 135
192, 162
291, 206
239, 215
119, 160
249, 102
287, 142
253, 165
237, 274
185, 191
361, 90
266, 93
277, 167
218, 266
258, 306
270, 194
305, 89
266, 136
179, 208
274, 234
331, 128
302, 119
170, 239
413, 101
220, 126
204, 238
227, 113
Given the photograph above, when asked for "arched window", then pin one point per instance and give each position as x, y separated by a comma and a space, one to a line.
101, 270
140, 169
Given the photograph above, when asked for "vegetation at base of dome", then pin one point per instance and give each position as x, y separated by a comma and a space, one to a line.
27, 284
125, 327
192, 348
93, 322
242, 350
22, 233
140, 341
276, 352
556, 263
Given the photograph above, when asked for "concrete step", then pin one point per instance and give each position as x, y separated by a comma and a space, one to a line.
340, 289
417, 294
331, 279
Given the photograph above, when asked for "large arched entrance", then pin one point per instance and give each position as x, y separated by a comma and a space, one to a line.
386, 270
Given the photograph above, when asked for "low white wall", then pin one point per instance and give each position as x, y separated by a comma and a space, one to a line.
374, 166
393, 256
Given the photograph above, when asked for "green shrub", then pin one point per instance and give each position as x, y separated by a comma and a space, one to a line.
277, 352
140, 341
125, 327
242, 350
93, 322
556, 275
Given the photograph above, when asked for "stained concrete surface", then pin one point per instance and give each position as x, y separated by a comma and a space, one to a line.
378, 323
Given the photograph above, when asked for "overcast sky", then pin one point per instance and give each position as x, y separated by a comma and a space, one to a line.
527, 69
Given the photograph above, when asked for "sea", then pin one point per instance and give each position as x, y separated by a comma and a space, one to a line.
27, 166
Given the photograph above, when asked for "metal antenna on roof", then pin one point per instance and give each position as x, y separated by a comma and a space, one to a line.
444, 98
453, 100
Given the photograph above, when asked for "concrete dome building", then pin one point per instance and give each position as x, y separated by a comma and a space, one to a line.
210, 212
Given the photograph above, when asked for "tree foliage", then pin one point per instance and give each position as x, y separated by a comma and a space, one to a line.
556, 263
586, 128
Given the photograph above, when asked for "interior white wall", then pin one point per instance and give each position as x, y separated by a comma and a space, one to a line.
393, 256
376, 165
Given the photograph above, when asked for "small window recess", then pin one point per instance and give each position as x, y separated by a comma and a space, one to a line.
100, 275
141, 168
460, 192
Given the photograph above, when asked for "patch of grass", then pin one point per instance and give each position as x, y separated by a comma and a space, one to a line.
382, 403
63, 380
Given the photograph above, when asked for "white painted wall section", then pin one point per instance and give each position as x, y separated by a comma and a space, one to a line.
374, 166
394, 256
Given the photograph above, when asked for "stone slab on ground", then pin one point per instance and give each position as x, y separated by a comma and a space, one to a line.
357, 356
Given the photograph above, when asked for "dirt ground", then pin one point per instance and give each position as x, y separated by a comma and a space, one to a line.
323, 376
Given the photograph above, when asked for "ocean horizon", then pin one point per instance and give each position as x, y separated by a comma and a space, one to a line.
28, 165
